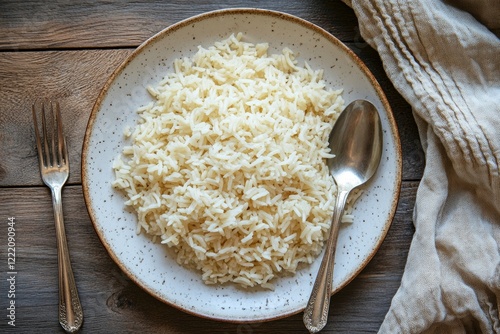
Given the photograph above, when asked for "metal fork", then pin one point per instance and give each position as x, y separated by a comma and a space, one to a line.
54, 169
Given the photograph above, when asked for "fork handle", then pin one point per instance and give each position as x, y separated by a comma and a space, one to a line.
70, 308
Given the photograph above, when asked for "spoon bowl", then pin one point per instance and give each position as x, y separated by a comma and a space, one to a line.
356, 142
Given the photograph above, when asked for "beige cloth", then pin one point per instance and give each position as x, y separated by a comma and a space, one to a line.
446, 64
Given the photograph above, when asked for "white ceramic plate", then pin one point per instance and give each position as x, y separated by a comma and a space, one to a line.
150, 265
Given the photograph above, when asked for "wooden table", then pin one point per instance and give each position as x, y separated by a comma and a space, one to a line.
67, 50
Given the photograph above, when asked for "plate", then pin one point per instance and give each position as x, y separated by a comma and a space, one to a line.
149, 264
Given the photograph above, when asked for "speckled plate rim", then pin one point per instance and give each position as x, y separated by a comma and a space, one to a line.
218, 13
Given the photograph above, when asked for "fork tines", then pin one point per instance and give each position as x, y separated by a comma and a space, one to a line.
52, 133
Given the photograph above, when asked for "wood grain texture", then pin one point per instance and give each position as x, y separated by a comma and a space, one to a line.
114, 304
74, 78
114, 23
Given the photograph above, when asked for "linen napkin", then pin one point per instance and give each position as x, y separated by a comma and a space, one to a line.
444, 59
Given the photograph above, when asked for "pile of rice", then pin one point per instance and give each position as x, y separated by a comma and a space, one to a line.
227, 166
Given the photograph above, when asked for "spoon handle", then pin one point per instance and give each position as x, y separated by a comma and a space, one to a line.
316, 312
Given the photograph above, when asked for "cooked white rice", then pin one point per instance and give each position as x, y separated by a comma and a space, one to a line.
227, 166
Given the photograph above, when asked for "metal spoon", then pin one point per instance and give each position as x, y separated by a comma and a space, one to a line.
356, 141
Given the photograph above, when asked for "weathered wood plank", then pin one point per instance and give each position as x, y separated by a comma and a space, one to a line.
115, 23
114, 304
75, 79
